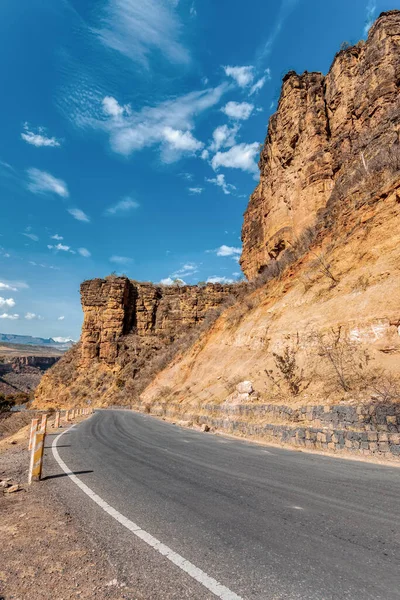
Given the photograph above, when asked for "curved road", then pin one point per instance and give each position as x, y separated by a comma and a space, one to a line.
246, 521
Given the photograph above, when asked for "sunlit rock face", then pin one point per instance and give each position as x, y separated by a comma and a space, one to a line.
328, 138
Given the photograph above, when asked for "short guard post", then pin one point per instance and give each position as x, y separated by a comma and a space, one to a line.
35, 468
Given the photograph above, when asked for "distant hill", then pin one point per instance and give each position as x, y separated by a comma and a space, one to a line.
62, 344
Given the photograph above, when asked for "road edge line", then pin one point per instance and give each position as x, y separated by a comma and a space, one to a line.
189, 568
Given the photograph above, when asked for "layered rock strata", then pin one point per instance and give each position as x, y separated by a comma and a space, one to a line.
328, 139
116, 306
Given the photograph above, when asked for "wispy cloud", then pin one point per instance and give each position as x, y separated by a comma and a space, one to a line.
79, 215
238, 110
195, 191
219, 180
137, 29
186, 270
61, 318
168, 125
31, 236
84, 252
241, 156
120, 260
41, 182
13, 317
39, 137
57, 237
371, 14
13, 286
122, 207
259, 84
286, 7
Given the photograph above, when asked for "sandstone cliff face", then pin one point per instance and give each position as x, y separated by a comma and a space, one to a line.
328, 134
117, 306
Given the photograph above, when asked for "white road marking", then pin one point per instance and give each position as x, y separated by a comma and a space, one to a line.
297, 507
205, 580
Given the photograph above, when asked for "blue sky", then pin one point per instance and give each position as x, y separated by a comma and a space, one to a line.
131, 133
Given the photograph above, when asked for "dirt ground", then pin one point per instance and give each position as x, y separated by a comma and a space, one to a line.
44, 553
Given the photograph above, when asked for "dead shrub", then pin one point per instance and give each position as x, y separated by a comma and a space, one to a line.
348, 362
385, 387
287, 372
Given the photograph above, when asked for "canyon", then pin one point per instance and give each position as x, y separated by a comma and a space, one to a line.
307, 351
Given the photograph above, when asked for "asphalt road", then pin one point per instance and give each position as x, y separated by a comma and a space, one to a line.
265, 523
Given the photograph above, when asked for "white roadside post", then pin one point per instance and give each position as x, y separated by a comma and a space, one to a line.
43, 424
35, 467
67, 415
34, 426
57, 420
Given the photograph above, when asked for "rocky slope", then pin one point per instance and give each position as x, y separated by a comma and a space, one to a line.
316, 337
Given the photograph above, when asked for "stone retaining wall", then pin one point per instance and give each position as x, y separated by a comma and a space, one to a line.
367, 429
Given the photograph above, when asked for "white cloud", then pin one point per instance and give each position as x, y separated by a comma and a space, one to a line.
167, 281
112, 108
170, 281
219, 180
371, 12
241, 156
62, 340
215, 279
193, 11
39, 138
242, 75
32, 316
9, 302
228, 251
224, 137
122, 207
84, 252
195, 190
120, 260
59, 247
177, 141
238, 110
61, 318
41, 182
31, 236
11, 317
205, 154
57, 237
79, 215
169, 125
136, 29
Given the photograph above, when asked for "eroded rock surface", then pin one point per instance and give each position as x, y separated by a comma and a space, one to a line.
328, 134
117, 306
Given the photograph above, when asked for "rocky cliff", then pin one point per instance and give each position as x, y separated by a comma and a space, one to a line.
116, 306
329, 137
315, 339
129, 331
